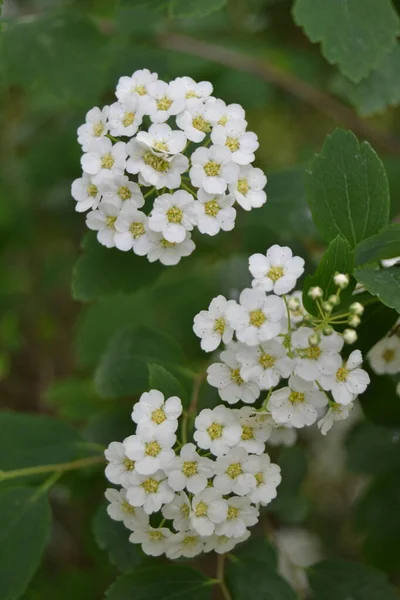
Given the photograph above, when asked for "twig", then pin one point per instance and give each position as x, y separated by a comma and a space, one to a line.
220, 576
192, 406
59, 467
334, 109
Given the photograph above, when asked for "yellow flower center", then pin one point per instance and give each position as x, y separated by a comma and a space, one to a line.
111, 221
128, 119
166, 244
189, 468
150, 486
243, 186
247, 433
201, 124
164, 103
129, 464
267, 361
215, 431
107, 161
140, 89
388, 355
212, 169
98, 129
219, 325
212, 208
257, 318
235, 376
233, 513
234, 470
156, 162
152, 449
158, 416
232, 143
191, 94
342, 374
157, 536
162, 146
174, 214
296, 397
124, 193
128, 508
136, 229
185, 510
92, 190
275, 273
312, 352
259, 477
190, 540
201, 509
223, 121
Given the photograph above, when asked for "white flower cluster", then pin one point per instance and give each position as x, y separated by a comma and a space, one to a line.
208, 493
142, 147
384, 357
281, 349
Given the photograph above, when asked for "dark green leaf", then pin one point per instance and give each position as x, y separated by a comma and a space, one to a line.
73, 398
114, 537
380, 401
110, 425
337, 259
345, 580
385, 244
373, 449
123, 370
348, 190
383, 283
168, 384
376, 321
195, 8
290, 505
162, 583
354, 35
25, 520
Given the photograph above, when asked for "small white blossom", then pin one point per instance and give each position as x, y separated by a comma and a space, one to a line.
173, 215
159, 171
217, 430
132, 231
120, 469
94, 128
241, 143
298, 550
102, 220
119, 509
265, 364
104, 160
208, 509
384, 357
120, 191
218, 113
313, 361
221, 544
336, 412
186, 543
178, 511
268, 478
156, 416
125, 118
390, 262
162, 139
213, 169
154, 541
225, 376
212, 326
214, 212
348, 380
193, 122
85, 193
248, 189
255, 430
135, 86
282, 435
150, 491
150, 455
235, 472
169, 253
257, 317
189, 470
167, 99
194, 89
276, 272
241, 514
297, 404
350, 336
341, 280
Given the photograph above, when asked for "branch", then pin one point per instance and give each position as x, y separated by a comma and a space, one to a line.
334, 109
221, 577
58, 468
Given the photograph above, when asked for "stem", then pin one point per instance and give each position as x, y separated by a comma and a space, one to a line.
48, 483
220, 576
321, 389
188, 189
112, 138
59, 468
149, 192
265, 403
192, 407
288, 313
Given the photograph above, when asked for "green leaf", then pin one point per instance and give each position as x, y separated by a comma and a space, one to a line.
337, 259
383, 283
290, 505
354, 35
385, 244
168, 384
378, 91
110, 425
346, 580
30, 440
372, 449
73, 398
195, 8
103, 271
172, 582
348, 191
123, 370
254, 568
380, 401
25, 520
113, 537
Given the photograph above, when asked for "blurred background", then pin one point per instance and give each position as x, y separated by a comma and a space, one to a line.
58, 59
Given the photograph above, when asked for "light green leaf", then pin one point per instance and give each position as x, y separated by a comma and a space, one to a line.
168, 384
372, 449
337, 259
25, 521
345, 580
354, 35
195, 8
113, 536
379, 90
385, 244
348, 190
123, 370
169, 582
380, 401
104, 271
383, 283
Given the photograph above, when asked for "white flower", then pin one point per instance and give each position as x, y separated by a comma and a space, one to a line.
173, 215
194, 89
168, 99
178, 512
211, 325
120, 469
208, 509
314, 361
218, 113
384, 357
336, 412
156, 416
104, 159
390, 262
162, 139
348, 380
169, 253
241, 514
186, 543
94, 128
189, 470
276, 272
103, 221
154, 541
214, 212
193, 122
150, 491
296, 307
213, 169
217, 430
235, 472
257, 318
284, 435
265, 364
296, 405
119, 509
137, 85
298, 550
153, 169
131, 231
85, 192
241, 143
221, 544
268, 478
119, 190
248, 189
255, 430
150, 454
125, 118
231, 386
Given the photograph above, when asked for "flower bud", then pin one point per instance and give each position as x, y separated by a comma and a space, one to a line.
334, 299
328, 330
293, 303
349, 336
341, 280
357, 308
314, 339
327, 306
354, 321
315, 292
